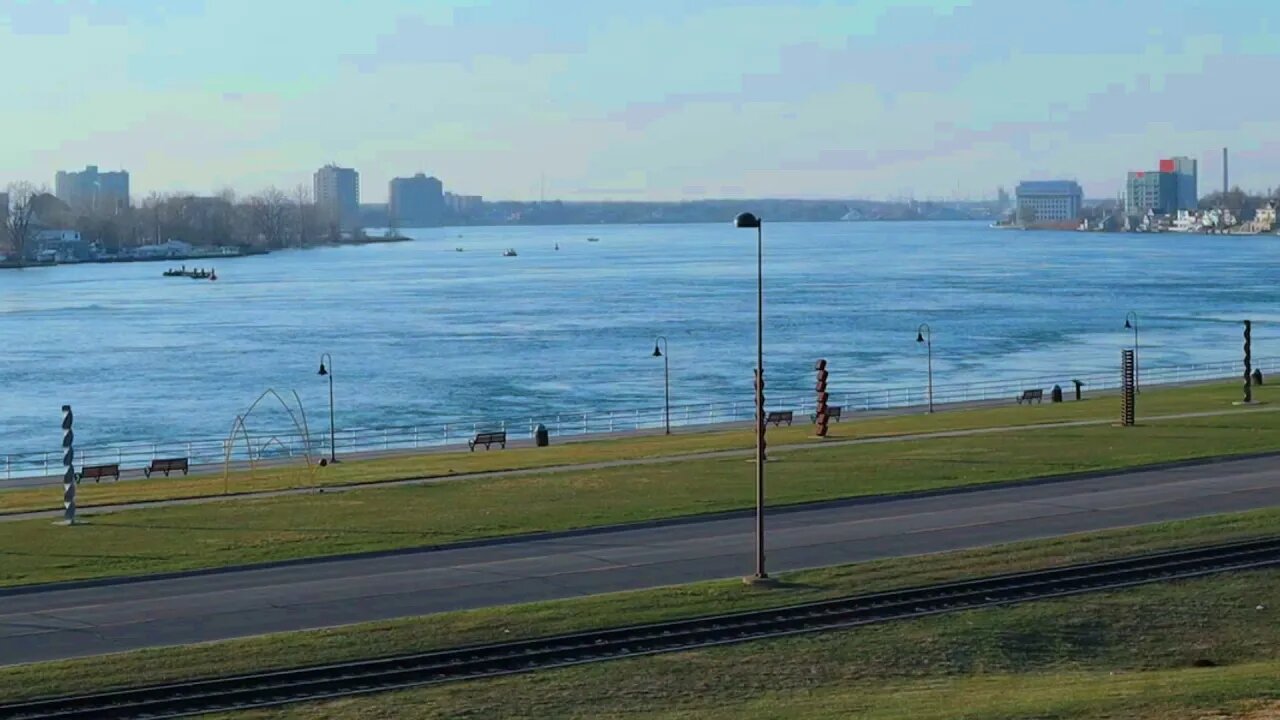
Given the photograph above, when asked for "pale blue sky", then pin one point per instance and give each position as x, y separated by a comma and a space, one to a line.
661, 99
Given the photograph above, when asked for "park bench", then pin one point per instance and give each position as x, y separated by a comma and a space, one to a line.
166, 465
777, 417
97, 472
1029, 395
833, 413
487, 439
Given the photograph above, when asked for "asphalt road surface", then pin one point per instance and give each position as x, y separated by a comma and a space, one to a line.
59, 623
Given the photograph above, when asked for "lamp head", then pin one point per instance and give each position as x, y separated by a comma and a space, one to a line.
656, 351
919, 336
1127, 324
323, 371
746, 220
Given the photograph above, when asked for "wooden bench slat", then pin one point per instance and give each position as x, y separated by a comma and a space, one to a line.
833, 413
777, 417
167, 465
97, 472
487, 439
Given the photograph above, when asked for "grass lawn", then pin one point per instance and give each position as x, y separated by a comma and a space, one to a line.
246, 531
443, 464
1131, 654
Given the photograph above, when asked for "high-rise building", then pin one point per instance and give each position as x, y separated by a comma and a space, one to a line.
1186, 196
1153, 191
1164, 191
416, 201
1049, 200
463, 204
337, 194
90, 191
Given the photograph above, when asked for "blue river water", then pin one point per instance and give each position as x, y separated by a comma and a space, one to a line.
422, 333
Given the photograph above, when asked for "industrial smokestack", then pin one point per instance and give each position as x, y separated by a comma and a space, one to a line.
1225, 186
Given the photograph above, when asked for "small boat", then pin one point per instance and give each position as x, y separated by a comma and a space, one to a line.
557, 246
196, 274
593, 239
509, 252
457, 249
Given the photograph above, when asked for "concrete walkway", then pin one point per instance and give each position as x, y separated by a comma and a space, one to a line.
30, 481
713, 455
854, 415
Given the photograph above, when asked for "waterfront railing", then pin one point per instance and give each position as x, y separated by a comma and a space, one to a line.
283, 446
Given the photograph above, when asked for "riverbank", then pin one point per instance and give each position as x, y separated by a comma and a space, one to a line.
209, 255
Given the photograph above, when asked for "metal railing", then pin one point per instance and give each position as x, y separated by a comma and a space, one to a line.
281, 446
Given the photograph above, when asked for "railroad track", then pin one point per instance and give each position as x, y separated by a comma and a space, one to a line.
367, 676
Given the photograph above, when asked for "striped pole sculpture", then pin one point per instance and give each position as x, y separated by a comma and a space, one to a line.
1128, 386
68, 467
1248, 361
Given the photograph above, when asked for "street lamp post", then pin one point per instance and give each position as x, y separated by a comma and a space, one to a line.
333, 451
666, 377
925, 335
747, 220
1131, 323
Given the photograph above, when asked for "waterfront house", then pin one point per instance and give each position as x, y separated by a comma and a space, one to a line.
167, 249
63, 246
1264, 218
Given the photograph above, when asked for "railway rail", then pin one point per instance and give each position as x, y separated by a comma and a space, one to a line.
264, 689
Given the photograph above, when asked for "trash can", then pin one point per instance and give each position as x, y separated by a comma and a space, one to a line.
1257, 376
1057, 393
1078, 386
541, 437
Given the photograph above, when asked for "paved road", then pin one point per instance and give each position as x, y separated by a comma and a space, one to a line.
50, 624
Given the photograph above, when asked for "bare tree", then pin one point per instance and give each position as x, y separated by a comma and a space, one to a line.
19, 227
307, 222
269, 213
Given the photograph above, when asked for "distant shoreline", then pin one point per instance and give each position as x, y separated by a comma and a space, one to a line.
10, 265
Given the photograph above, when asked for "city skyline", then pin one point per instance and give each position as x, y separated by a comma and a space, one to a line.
749, 99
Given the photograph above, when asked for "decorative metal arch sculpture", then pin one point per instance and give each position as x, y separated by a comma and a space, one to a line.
240, 427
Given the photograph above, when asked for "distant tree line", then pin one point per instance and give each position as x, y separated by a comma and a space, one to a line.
1241, 204
699, 211
271, 219
274, 219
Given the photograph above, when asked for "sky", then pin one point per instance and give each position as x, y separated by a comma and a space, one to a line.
653, 100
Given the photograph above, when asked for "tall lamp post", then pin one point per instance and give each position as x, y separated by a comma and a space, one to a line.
925, 335
666, 377
1131, 323
333, 451
747, 220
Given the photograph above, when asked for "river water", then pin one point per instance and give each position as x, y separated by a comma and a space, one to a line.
422, 333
